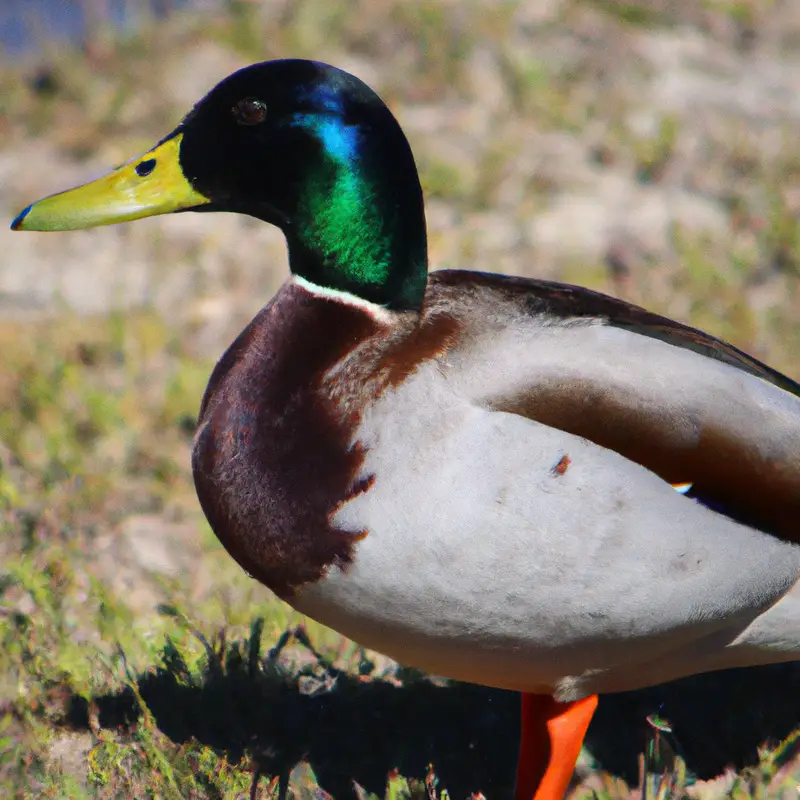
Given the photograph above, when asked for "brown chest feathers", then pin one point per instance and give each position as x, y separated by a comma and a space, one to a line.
276, 452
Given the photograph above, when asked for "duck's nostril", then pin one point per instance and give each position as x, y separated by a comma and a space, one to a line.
144, 168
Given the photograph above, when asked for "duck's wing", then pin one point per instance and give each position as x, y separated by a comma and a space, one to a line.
689, 407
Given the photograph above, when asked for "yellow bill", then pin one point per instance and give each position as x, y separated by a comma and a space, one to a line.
151, 184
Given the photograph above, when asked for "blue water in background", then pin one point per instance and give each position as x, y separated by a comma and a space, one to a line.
26, 24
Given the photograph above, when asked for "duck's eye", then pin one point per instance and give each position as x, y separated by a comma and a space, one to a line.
250, 111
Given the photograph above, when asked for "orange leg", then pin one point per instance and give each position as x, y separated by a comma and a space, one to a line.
552, 736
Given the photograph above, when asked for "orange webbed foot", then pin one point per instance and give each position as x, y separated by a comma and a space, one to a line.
552, 736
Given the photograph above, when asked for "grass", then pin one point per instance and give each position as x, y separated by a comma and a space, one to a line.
135, 658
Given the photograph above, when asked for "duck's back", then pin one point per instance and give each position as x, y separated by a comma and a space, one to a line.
682, 403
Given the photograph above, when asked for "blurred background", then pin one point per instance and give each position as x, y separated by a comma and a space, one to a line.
648, 149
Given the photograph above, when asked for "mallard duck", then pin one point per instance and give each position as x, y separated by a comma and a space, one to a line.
507, 481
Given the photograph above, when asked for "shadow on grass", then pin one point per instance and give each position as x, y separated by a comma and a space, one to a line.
279, 710
719, 719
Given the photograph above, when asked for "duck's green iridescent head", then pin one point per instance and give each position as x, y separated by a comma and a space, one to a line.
300, 144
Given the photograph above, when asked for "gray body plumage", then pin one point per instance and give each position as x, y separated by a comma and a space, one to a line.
485, 561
